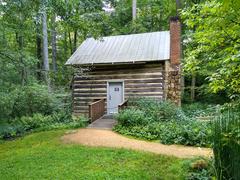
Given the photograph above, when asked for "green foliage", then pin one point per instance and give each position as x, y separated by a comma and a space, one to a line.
38, 122
164, 121
199, 169
194, 110
156, 111
226, 144
212, 44
152, 15
34, 99
131, 117
27, 100
190, 132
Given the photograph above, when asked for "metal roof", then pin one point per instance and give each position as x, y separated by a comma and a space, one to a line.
123, 49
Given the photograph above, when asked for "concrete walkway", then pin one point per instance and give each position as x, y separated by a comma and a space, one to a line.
108, 138
106, 122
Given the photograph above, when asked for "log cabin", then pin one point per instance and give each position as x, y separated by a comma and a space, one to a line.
112, 69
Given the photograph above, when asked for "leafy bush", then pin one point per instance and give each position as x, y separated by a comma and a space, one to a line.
131, 117
191, 132
194, 133
194, 110
157, 110
37, 122
164, 121
31, 99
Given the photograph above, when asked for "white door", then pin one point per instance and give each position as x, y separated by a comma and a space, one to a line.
115, 96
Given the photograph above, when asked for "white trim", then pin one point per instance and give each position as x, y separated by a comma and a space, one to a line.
123, 90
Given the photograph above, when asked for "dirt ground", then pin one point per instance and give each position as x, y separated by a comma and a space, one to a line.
108, 138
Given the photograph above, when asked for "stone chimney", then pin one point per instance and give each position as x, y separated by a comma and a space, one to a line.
172, 67
175, 41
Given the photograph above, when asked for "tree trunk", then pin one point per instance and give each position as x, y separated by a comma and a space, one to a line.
39, 51
134, 9
75, 41
19, 39
193, 87
70, 42
45, 49
65, 45
54, 43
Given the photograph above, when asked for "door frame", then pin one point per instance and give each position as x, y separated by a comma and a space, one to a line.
123, 90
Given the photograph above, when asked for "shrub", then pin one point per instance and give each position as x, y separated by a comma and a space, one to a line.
131, 117
39, 122
226, 145
158, 110
164, 121
33, 99
194, 110
189, 132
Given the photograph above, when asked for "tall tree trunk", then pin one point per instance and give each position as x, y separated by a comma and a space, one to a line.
134, 9
54, 43
75, 41
70, 42
39, 50
193, 84
45, 49
65, 45
19, 39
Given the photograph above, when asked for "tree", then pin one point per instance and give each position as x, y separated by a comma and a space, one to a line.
213, 44
45, 48
54, 42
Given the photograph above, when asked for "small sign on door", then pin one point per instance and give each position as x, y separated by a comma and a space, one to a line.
116, 89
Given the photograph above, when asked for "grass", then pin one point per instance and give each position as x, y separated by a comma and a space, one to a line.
43, 156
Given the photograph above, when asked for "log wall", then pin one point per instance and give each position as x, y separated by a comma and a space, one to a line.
140, 80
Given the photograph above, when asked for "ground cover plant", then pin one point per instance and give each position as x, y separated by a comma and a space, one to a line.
164, 121
38, 122
42, 155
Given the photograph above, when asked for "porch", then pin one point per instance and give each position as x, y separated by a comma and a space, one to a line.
98, 117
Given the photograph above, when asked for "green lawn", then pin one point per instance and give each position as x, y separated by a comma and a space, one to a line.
43, 156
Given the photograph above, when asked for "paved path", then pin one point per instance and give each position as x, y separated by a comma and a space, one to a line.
106, 122
108, 138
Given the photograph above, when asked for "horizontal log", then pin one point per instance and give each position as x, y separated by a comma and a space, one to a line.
144, 93
87, 98
83, 108
144, 90
80, 112
84, 86
159, 96
128, 66
123, 76
131, 89
127, 85
125, 71
89, 95
100, 82
89, 91
143, 85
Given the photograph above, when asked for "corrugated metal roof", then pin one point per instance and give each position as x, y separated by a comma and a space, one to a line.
123, 49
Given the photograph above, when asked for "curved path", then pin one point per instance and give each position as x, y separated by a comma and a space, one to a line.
108, 138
